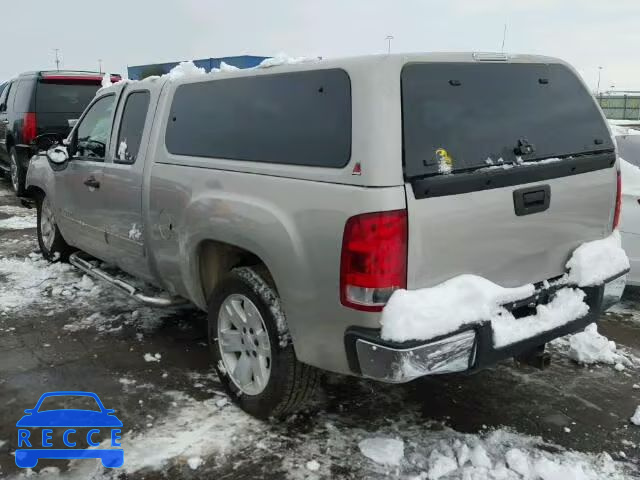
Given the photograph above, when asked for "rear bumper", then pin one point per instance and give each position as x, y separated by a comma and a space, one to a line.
466, 350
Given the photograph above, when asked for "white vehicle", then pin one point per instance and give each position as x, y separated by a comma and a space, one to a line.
628, 140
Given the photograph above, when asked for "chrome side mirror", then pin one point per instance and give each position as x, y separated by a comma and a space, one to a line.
58, 154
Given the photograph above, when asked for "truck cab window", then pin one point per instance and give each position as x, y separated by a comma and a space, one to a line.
95, 129
132, 126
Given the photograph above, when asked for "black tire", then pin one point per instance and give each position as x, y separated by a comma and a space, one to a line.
59, 249
17, 175
291, 383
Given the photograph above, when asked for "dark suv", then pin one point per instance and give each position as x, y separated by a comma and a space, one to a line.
35, 103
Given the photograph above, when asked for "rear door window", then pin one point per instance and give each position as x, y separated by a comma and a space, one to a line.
132, 126
23, 101
474, 115
64, 97
301, 118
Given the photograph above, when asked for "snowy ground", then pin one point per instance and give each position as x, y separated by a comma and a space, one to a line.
59, 331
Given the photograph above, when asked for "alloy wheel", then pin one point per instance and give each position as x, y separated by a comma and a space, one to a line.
244, 344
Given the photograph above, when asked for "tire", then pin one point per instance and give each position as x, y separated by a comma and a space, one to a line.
52, 244
16, 173
282, 384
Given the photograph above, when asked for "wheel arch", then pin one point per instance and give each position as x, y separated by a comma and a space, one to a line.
214, 259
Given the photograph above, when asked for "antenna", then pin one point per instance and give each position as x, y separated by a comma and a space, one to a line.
504, 37
100, 65
388, 39
57, 50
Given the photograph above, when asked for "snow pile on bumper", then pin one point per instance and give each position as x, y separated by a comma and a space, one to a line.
593, 263
468, 299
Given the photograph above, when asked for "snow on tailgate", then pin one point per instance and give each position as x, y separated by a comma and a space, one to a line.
469, 299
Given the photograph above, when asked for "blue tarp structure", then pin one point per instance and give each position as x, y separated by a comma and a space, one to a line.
242, 61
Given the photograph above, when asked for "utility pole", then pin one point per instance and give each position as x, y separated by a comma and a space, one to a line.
388, 39
57, 58
598, 87
100, 65
504, 37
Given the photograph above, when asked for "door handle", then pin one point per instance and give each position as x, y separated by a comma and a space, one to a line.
91, 182
5, 122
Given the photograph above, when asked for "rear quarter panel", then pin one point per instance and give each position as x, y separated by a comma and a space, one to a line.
294, 226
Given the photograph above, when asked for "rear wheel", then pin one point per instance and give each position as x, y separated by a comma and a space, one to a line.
16, 172
249, 343
52, 245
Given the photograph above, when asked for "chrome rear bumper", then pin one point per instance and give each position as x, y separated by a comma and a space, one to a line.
467, 350
398, 365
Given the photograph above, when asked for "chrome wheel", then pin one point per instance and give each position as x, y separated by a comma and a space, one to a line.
47, 224
244, 344
14, 172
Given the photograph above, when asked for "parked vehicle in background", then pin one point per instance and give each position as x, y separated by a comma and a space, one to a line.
292, 201
628, 141
39, 102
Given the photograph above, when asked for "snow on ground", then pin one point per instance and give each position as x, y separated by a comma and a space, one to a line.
17, 211
636, 417
590, 348
385, 451
18, 223
33, 281
194, 434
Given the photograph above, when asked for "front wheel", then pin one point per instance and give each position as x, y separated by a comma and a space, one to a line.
251, 350
52, 245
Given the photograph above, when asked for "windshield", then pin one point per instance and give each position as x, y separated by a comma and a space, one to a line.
63, 402
64, 97
470, 115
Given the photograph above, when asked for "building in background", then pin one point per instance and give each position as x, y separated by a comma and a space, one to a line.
620, 105
139, 72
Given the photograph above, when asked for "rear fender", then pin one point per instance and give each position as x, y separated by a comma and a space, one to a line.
256, 226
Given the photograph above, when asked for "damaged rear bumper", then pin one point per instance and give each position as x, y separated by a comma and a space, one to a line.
466, 350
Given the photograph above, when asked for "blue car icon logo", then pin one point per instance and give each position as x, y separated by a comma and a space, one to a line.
33, 447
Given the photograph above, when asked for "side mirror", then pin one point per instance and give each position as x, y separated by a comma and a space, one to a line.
58, 154
46, 141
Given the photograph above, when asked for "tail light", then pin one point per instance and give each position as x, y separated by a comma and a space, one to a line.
29, 128
616, 212
374, 259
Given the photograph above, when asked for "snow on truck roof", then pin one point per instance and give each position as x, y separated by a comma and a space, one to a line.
185, 71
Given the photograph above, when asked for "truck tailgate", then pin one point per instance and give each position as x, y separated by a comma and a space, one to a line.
479, 232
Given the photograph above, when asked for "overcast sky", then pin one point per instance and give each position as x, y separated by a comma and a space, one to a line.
587, 33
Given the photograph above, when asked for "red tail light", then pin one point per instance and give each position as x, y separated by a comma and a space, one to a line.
374, 259
29, 128
616, 212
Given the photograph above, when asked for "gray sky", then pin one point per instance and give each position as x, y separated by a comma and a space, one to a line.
587, 33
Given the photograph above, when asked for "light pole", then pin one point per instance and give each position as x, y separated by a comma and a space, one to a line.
388, 39
100, 65
57, 58
598, 87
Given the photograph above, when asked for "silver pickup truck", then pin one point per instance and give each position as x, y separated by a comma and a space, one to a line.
292, 201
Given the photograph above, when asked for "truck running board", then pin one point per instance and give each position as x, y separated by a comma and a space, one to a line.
95, 272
